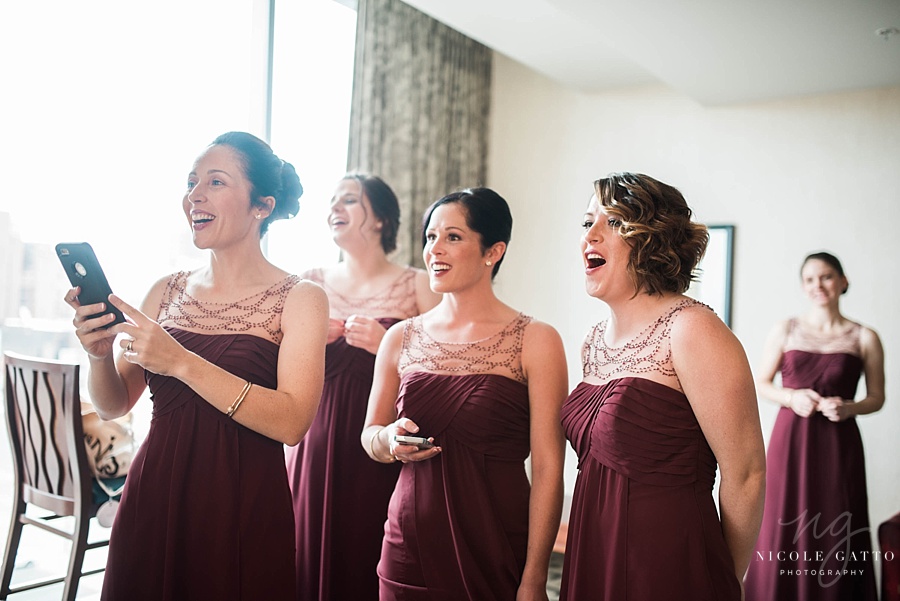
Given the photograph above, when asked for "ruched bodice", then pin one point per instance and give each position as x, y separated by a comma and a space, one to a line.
828, 374
244, 355
473, 406
640, 428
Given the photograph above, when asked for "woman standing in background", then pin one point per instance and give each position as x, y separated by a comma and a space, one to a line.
667, 395
485, 383
340, 496
815, 542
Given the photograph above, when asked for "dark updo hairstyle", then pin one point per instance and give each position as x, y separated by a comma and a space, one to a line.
656, 222
384, 204
268, 176
486, 213
828, 259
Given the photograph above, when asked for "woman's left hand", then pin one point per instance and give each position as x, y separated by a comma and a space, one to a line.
145, 342
835, 409
363, 332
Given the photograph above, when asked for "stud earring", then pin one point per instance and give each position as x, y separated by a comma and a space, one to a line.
488, 263
258, 216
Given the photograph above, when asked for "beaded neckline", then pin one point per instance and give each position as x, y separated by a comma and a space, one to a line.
396, 300
648, 352
257, 314
800, 338
499, 353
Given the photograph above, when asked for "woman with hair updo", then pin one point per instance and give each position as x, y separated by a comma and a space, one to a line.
340, 495
233, 354
667, 394
482, 383
815, 543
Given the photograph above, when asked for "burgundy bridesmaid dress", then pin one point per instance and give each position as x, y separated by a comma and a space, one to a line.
643, 525
206, 512
815, 543
457, 525
340, 495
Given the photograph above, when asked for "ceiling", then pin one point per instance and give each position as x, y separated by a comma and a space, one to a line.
715, 51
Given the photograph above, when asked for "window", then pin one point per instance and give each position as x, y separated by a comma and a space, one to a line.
107, 104
312, 85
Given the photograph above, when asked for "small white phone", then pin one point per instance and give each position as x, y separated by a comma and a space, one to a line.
417, 441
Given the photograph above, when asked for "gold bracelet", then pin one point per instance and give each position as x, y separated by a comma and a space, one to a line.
240, 399
372, 447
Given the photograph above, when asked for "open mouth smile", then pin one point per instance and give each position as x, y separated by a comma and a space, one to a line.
594, 260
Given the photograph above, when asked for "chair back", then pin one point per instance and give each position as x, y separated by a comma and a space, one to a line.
43, 414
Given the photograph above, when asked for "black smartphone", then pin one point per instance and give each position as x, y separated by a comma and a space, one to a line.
417, 441
83, 269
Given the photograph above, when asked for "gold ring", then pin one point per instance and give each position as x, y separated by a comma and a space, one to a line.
129, 348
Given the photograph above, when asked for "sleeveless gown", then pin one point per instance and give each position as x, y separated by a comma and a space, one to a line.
815, 485
457, 525
206, 511
643, 524
340, 495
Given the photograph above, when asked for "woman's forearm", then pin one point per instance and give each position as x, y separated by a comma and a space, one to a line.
277, 414
741, 502
545, 510
107, 389
870, 404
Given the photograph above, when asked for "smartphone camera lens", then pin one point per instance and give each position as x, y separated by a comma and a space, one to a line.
80, 270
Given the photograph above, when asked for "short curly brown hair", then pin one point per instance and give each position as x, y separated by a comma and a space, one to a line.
666, 245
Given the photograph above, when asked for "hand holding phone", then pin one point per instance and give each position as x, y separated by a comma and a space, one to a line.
419, 442
83, 269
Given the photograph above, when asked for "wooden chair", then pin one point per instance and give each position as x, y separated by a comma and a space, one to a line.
43, 415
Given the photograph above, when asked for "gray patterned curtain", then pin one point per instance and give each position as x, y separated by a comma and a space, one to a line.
419, 119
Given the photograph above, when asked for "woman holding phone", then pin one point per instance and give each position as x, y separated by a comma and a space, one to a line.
367, 293
484, 384
233, 355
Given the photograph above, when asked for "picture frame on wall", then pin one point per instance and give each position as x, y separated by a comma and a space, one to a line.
714, 272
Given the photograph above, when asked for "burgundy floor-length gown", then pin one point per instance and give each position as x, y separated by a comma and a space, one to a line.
643, 525
815, 541
206, 511
457, 526
340, 495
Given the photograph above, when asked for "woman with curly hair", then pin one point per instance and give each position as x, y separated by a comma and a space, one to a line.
667, 394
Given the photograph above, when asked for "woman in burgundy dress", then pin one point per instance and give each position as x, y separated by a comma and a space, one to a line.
340, 495
815, 541
233, 354
667, 395
484, 384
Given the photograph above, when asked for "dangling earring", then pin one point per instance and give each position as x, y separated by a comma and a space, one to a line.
488, 263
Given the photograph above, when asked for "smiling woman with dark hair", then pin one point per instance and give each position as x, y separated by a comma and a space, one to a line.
340, 496
233, 354
484, 383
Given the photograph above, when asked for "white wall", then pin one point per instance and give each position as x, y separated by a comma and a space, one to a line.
793, 176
